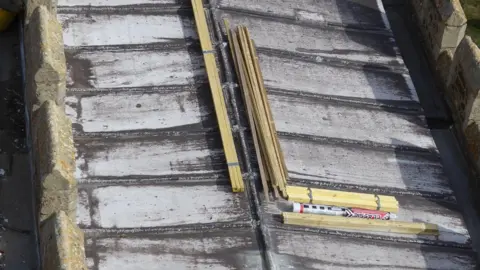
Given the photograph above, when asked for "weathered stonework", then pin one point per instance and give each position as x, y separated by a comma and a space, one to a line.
463, 94
444, 66
45, 59
61, 244
464, 81
61, 241
442, 24
456, 60
54, 161
31, 5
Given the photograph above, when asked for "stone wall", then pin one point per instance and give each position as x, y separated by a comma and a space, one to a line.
442, 24
462, 94
61, 241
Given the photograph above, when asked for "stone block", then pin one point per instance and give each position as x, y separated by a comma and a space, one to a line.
442, 24
472, 136
450, 36
61, 244
444, 67
31, 5
463, 92
464, 82
54, 161
467, 57
45, 59
451, 12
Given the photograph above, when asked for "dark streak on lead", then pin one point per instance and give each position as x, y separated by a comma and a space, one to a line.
411, 107
184, 229
80, 70
368, 237
183, 7
373, 146
251, 180
294, 21
446, 197
164, 89
204, 179
393, 67
171, 45
148, 135
406, 108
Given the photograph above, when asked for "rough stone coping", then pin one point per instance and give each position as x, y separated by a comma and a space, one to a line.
61, 244
45, 59
465, 65
459, 59
444, 66
451, 11
61, 241
54, 160
31, 5
468, 57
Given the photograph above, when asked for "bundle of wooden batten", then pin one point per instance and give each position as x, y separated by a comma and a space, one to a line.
271, 163
332, 209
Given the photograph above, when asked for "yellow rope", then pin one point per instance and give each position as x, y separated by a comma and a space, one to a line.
269, 156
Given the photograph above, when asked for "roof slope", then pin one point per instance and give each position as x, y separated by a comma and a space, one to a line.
154, 192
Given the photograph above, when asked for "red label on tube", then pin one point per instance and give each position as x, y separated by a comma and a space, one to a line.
365, 213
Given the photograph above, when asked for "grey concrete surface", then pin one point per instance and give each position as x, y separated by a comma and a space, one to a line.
18, 241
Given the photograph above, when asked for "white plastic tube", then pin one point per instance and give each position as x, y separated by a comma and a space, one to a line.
341, 211
318, 209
